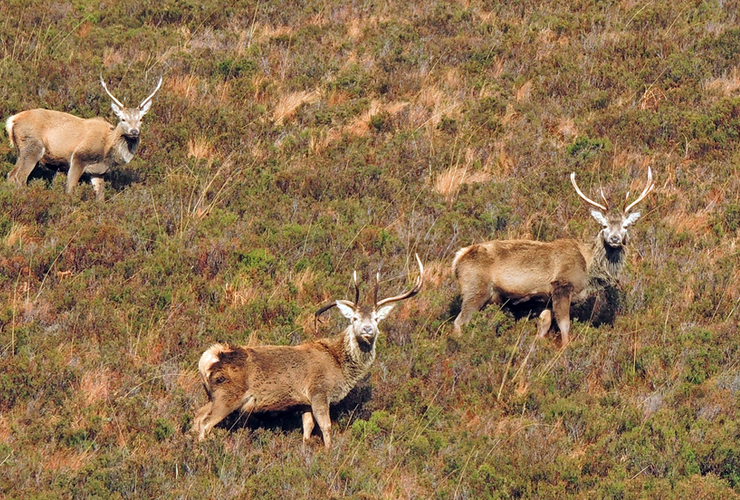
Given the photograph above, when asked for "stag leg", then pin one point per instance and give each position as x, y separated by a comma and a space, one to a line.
561, 308
29, 154
76, 168
320, 410
308, 425
99, 186
211, 414
473, 301
543, 323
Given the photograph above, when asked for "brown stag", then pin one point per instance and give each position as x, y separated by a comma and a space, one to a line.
309, 376
558, 273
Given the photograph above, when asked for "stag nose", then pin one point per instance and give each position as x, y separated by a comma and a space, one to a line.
367, 331
615, 239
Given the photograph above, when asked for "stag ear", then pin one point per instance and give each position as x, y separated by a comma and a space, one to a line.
630, 219
118, 110
383, 312
347, 310
599, 218
144, 109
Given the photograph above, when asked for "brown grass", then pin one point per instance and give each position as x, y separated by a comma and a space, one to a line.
448, 182
291, 102
726, 85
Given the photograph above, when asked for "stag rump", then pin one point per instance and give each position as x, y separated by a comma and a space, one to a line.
83, 146
309, 376
556, 273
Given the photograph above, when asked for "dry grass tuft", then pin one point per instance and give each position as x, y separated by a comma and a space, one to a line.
726, 85
95, 385
290, 103
448, 182
184, 86
20, 234
200, 148
240, 293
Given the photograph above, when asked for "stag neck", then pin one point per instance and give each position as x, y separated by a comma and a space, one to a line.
605, 262
123, 148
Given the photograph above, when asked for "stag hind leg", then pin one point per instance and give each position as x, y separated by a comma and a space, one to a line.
30, 153
543, 323
308, 425
215, 411
475, 296
561, 296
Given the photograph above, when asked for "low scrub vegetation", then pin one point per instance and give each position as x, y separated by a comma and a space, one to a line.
292, 143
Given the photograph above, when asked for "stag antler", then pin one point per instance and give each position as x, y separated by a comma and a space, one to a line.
105, 87
145, 101
587, 199
648, 187
406, 295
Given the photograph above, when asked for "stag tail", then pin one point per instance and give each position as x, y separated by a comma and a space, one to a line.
207, 360
458, 256
9, 127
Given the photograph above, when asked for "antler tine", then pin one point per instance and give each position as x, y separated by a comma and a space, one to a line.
357, 288
375, 292
108, 92
580, 193
410, 293
159, 84
648, 187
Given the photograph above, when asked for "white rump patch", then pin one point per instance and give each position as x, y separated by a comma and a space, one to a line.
9, 127
210, 358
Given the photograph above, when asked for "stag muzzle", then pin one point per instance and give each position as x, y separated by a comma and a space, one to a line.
615, 241
367, 334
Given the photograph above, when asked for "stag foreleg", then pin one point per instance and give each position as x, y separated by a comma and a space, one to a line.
76, 168
98, 184
30, 153
561, 297
320, 410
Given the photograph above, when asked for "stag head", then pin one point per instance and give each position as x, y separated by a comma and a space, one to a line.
615, 224
130, 118
365, 318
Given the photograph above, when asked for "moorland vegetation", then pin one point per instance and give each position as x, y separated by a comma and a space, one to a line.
294, 142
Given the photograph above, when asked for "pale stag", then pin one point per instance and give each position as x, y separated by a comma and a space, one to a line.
82, 146
557, 273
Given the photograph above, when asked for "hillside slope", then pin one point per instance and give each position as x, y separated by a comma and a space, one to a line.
294, 142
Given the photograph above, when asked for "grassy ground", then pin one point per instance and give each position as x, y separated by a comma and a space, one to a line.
292, 143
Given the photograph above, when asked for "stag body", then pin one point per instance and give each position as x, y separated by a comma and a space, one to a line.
559, 273
309, 376
60, 140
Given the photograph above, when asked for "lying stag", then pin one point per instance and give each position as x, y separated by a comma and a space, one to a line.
512, 272
90, 146
309, 376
